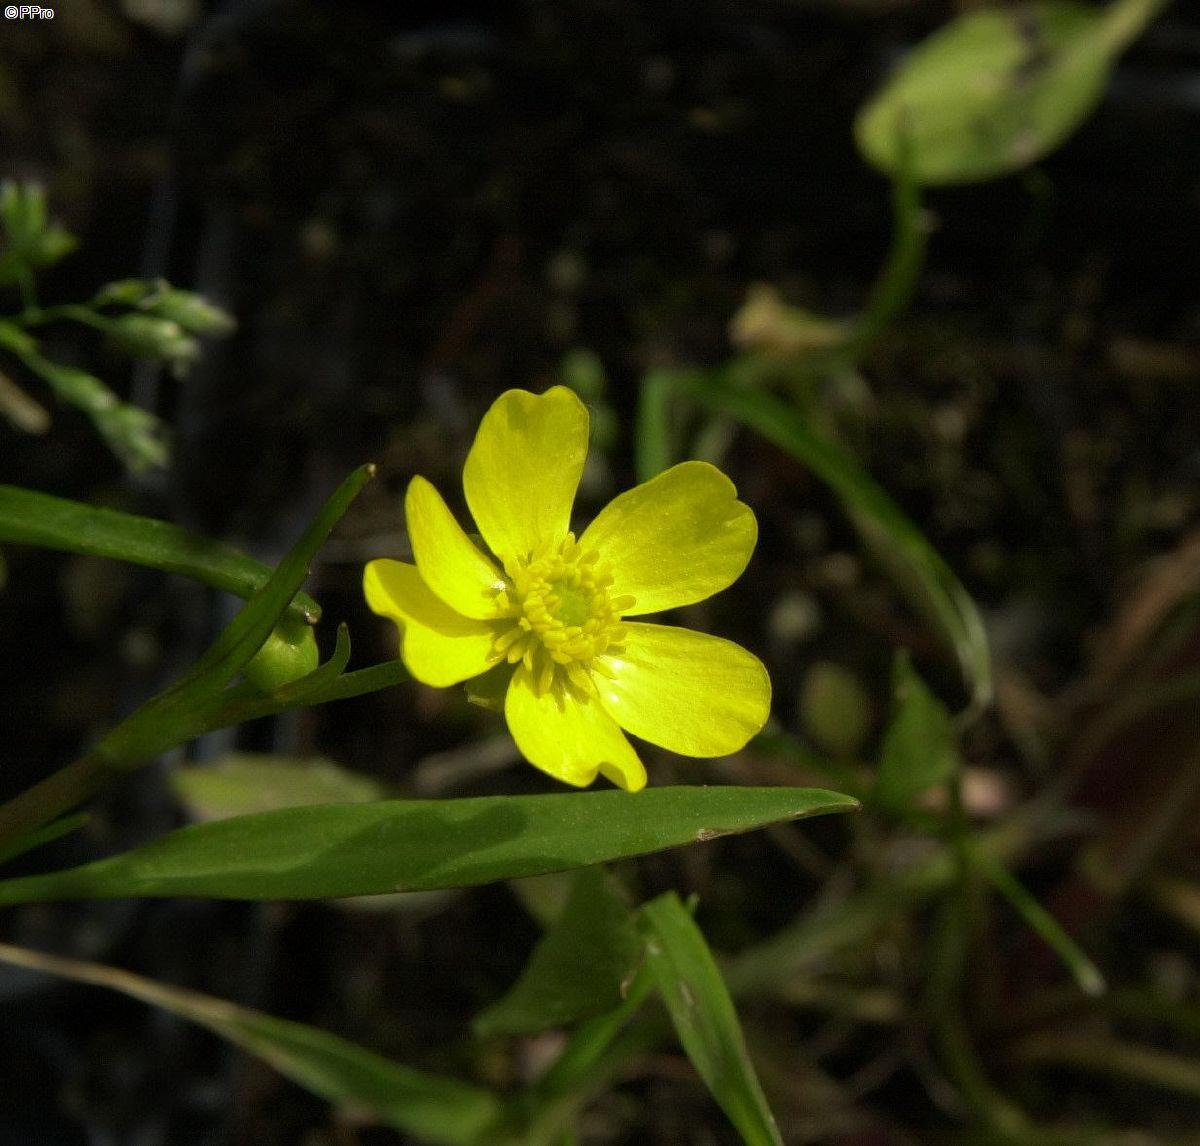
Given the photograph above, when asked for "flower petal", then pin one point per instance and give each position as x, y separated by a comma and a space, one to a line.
523, 470
677, 538
438, 645
685, 691
450, 563
568, 738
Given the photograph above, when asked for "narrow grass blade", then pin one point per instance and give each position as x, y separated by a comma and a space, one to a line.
698, 1001
930, 580
31, 518
434, 1108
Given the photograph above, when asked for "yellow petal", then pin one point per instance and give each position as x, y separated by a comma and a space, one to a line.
689, 692
448, 559
678, 538
570, 739
523, 470
438, 645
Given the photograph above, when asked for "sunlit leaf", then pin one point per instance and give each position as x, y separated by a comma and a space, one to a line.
417, 845
31, 518
687, 976
997, 88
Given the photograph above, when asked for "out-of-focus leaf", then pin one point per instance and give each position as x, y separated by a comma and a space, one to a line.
20, 409
765, 322
652, 446
200, 700
929, 580
433, 1108
31, 240
44, 835
835, 708
242, 783
698, 1001
1087, 975
998, 88
31, 518
1102, 1054
920, 749
577, 969
416, 845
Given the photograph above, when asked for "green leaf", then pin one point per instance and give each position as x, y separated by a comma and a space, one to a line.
54, 830
997, 89
420, 845
200, 701
929, 580
920, 748
434, 1108
577, 969
596, 1053
698, 1001
652, 447
31, 518
835, 709
175, 715
32, 241
23, 213
241, 783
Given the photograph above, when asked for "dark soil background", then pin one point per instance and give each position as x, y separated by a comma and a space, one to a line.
410, 207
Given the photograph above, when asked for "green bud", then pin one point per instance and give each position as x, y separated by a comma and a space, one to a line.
192, 311
126, 292
32, 239
289, 653
146, 336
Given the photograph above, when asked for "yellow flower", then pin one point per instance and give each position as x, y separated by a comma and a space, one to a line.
554, 607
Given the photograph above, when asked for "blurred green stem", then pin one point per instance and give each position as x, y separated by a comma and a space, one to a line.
898, 278
1110, 1056
65, 789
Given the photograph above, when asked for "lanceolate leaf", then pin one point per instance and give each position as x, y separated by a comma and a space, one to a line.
918, 566
435, 1109
32, 518
417, 845
698, 1001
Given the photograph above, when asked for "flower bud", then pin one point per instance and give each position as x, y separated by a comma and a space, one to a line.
289, 653
193, 312
146, 336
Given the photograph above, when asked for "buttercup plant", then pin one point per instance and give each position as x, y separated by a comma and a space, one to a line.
550, 610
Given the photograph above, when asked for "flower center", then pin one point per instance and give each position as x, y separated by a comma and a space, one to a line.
561, 615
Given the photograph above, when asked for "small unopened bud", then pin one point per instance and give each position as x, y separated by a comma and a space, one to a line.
146, 336
193, 312
289, 653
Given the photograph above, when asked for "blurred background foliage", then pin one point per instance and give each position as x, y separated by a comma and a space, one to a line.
411, 207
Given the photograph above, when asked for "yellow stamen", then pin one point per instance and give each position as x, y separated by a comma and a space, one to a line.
564, 617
